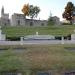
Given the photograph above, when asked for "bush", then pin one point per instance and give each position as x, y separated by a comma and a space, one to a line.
66, 24
13, 38
50, 21
58, 37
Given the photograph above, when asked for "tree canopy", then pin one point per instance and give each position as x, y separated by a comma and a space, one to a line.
50, 20
25, 9
68, 13
30, 10
34, 10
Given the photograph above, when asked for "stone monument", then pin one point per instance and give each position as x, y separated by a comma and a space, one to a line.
21, 39
2, 36
0, 33
37, 33
73, 36
62, 41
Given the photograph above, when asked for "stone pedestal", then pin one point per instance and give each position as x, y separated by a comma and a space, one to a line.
21, 39
73, 37
2, 36
62, 41
37, 33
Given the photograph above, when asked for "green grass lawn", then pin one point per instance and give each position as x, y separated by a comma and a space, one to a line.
53, 30
38, 57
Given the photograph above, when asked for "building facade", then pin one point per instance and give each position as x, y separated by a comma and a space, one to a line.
4, 20
56, 20
20, 20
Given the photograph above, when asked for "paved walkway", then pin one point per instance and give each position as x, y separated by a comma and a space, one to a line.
29, 42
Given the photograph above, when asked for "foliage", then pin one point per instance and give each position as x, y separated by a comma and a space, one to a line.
34, 10
65, 23
68, 13
50, 21
30, 10
25, 9
13, 38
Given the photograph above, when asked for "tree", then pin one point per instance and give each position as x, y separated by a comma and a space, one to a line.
25, 9
34, 10
50, 20
30, 10
68, 13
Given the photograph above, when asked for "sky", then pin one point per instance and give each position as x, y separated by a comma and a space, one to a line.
56, 7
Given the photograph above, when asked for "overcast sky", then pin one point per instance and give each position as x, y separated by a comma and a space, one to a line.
55, 6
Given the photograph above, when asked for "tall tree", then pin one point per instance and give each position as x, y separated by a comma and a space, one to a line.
25, 9
34, 11
30, 10
50, 20
68, 13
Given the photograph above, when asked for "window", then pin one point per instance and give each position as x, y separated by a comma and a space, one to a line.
8, 21
5, 24
18, 22
31, 23
42, 24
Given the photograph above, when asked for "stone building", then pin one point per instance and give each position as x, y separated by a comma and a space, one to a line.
56, 20
4, 20
19, 19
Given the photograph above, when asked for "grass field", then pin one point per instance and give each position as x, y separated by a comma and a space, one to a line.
53, 30
38, 57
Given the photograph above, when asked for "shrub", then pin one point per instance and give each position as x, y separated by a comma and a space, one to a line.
13, 38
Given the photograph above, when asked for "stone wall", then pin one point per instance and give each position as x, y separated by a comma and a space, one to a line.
20, 20
4, 22
17, 19
30, 22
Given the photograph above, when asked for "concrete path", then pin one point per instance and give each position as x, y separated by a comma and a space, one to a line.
29, 42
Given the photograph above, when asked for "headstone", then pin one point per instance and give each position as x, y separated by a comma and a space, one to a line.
73, 36
62, 41
0, 33
2, 36
36, 33
21, 39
